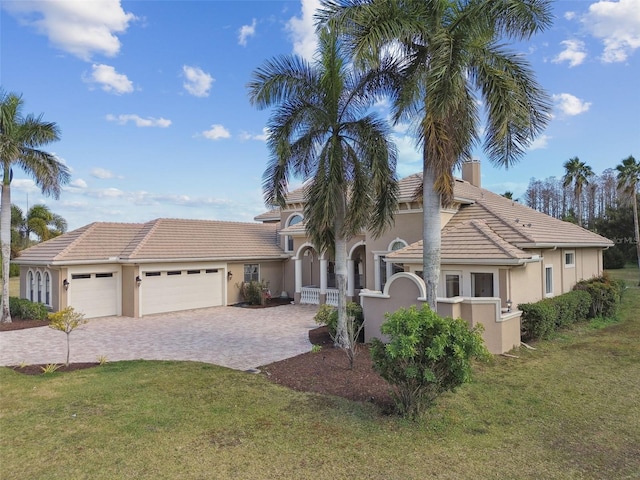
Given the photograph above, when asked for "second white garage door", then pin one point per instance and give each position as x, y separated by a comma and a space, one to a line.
174, 290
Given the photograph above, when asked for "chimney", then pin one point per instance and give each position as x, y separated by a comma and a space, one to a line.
471, 172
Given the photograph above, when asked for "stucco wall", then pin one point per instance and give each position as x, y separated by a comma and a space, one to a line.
270, 271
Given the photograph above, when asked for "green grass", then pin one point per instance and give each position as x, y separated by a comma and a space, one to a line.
569, 410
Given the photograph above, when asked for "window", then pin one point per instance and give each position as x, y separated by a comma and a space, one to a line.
174, 272
452, 285
548, 280
211, 270
251, 272
193, 272
569, 259
289, 239
80, 276
482, 284
30, 286
104, 275
47, 288
151, 274
39, 286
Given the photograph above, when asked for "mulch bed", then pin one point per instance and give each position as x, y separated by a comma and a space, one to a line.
325, 372
19, 324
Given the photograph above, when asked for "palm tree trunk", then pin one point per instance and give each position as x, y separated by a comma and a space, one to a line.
342, 338
430, 235
637, 228
5, 242
578, 205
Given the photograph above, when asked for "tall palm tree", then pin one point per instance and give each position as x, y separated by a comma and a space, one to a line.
321, 130
451, 53
628, 182
577, 173
20, 139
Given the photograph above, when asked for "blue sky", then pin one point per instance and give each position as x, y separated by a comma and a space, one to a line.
152, 103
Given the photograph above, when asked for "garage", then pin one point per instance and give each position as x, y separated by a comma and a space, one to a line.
175, 290
94, 294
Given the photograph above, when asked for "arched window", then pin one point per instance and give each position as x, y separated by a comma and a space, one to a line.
30, 285
47, 288
39, 286
293, 220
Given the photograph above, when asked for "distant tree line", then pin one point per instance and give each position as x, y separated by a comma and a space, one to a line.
602, 203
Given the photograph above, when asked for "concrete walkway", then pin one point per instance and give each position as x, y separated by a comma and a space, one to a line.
238, 338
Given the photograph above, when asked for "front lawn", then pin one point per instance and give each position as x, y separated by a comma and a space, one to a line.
566, 410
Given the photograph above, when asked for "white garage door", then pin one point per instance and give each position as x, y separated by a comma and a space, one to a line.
94, 294
174, 290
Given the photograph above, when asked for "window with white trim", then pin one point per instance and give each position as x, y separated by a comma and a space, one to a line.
251, 272
569, 259
482, 284
47, 288
452, 285
39, 286
548, 280
30, 285
288, 243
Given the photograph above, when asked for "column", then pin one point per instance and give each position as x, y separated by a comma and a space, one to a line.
351, 281
298, 280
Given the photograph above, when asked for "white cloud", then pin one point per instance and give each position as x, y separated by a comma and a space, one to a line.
540, 142
198, 82
302, 30
78, 183
110, 80
570, 15
570, 105
617, 24
250, 136
216, 132
574, 53
82, 28
139, 121
101, 173
246, 31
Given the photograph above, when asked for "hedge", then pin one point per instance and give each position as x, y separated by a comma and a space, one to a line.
605, 293
27, 310
542, 318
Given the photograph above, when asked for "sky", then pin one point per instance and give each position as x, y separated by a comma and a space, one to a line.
151, 99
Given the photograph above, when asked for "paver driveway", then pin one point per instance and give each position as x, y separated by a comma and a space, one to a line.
239, 338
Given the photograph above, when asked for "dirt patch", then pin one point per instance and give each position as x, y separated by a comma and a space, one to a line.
37, 369
327, 372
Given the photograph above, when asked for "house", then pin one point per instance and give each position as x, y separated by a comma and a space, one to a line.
496, 254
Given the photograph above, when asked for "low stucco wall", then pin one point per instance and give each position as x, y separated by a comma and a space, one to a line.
501, 330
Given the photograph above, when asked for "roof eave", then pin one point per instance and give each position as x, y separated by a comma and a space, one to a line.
565, 245
474, 261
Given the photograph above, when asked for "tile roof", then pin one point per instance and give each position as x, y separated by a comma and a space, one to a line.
269, 216
468, 241
162, 239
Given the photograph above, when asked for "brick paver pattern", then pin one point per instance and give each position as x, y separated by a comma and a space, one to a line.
238, 338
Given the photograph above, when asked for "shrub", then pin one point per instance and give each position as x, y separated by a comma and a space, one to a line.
27, 310
426, 356
254, 292
605, 293
328, 315
538, 319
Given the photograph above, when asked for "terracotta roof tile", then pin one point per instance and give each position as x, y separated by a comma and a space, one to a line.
161, 239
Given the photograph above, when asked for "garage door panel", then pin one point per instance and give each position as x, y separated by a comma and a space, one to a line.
95, 296
170, 293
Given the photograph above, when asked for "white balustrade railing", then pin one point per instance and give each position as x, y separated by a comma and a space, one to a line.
310, 295
332, 297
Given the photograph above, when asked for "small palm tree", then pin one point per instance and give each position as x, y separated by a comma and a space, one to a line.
321, 130
20, 139
628, 182
577, 173
44, 223
449, 52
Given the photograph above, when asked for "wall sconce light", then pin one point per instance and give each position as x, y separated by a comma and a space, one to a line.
138, 280
65, 284
509, 304
229, 275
